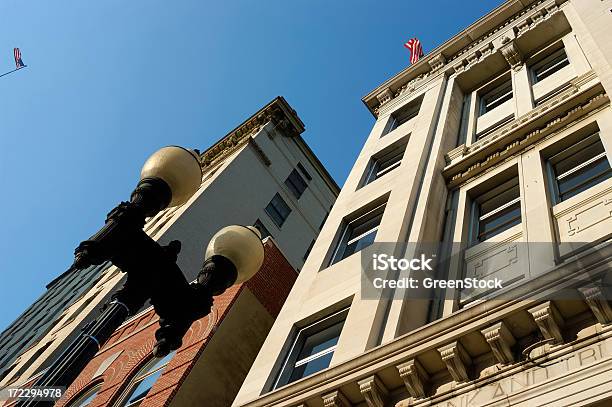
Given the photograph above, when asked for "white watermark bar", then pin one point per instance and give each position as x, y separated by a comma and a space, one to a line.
471, 272
35, 393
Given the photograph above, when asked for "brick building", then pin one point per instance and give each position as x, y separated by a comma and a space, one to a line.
209, 367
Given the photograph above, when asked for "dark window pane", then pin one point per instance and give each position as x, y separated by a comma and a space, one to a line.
316, 350
501, 221
143, 388
550, 65
579, 167
403, 115
262, 229
143, 384
500, 199
359, 244
278, 210
359, 234
497, 210
296, 184
313, 366
584, 179
495, 97
304, 172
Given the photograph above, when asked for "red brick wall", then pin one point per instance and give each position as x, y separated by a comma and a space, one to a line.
135, 340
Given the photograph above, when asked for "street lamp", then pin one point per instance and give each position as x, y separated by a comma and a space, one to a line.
168, 178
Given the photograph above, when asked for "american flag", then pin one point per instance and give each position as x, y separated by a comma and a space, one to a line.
416, 50
18, 61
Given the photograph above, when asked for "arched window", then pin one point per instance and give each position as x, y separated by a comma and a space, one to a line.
141, 384
86, 397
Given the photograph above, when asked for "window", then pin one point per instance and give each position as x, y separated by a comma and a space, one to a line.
549, 65
403, 115
296, 184
495, 97
304, 172
144, 381
87, 397
384, 163
312, 349
578, 168
278, 210
497, 210
358, 234
262, 229
309, 249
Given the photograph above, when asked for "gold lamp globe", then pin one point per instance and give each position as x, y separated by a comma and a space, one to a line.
179, 168
242, 246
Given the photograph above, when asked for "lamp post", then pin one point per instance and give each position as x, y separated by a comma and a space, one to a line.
235, 253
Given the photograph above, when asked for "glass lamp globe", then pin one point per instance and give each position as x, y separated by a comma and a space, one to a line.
179, 168
242, 246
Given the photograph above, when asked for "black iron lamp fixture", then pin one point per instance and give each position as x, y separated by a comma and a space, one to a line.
169, 177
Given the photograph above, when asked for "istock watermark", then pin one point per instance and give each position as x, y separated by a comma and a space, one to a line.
467, 273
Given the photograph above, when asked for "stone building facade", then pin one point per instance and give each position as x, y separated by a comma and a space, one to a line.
261, 173
495, 147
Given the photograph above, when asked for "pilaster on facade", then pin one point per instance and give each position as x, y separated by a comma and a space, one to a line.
415, 378
597, 300
500, 339
549, 321
374, 391
335, 399
457, 360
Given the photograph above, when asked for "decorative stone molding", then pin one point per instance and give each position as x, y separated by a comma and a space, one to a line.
512, 54
457, 360
520, 23
501, 151
335, 399
436, 62
455, 153
374, 391
415, 377
260, 153
500, 339
384, 96
276, 112
549, 321
597, 301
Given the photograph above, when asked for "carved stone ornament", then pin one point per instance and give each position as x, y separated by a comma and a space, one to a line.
437, 62
335, 399
374, 391
415, 377
272, 113
512, 54
597, 301
384, 96
549, 320
500, 339
457, 360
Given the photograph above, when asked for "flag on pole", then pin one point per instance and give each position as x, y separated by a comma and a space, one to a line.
18, 61
416, 50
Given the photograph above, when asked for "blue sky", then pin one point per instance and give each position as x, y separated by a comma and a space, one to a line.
109, 82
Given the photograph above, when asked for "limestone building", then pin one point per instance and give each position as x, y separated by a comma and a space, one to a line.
496, 141
261, 173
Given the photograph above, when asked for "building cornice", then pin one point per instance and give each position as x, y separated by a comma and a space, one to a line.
285, 120
277, 111
466, 48
590, 265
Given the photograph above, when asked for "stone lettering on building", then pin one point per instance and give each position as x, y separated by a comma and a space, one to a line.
533, 376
